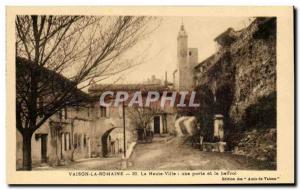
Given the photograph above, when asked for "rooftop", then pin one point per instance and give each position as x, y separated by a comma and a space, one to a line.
49, 78
97, 89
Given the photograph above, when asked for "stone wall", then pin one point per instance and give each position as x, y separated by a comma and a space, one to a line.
239, 82
255, 64
60, 139
260, 145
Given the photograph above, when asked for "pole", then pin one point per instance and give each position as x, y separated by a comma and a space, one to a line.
124, 133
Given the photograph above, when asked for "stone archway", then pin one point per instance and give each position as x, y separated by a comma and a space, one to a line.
104, 140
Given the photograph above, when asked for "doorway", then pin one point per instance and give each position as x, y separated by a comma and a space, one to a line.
44, 148
106, 142
156, 124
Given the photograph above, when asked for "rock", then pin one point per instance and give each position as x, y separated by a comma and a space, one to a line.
259, 145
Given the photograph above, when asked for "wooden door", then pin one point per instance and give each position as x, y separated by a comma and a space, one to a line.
156, 125
44, 148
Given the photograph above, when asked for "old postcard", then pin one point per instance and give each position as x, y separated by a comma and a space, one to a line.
150, 95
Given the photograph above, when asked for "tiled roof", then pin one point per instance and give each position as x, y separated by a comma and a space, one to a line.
99, 88
59, 81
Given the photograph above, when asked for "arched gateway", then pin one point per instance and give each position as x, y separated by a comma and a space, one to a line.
105, 139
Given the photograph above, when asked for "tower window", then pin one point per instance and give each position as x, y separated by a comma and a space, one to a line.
190, 53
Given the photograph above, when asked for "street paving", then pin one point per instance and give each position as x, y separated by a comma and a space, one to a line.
170, 153
175, 155
112, 163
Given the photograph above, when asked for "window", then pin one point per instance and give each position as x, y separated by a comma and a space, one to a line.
84, 140
102, 111
78, 140
65, 141
75, 140
70, 142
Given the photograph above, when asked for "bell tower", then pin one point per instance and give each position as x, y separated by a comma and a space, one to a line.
184, 80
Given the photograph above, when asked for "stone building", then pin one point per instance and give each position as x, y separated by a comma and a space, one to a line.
161, 122
65, 136
91, 130
77, 133
74, 132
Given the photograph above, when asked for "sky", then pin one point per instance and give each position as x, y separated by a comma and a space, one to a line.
159, 49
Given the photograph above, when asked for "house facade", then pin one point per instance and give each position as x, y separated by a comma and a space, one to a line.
90, 131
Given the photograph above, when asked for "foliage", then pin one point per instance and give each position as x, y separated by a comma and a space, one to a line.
141, 118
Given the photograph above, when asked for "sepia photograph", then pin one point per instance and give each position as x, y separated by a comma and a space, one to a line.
146, 94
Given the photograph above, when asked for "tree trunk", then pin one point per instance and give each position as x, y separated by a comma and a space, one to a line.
27, 150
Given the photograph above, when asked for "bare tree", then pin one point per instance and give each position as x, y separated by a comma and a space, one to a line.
141, 118
57, 55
